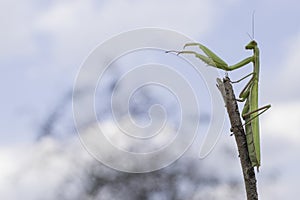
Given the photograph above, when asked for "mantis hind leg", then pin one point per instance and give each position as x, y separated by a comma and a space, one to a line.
264, 109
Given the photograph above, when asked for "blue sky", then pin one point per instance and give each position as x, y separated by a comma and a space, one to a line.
43, 44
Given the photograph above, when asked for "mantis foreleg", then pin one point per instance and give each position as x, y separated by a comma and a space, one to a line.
212, 59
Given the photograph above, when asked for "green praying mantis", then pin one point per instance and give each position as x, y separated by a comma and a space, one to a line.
249, 94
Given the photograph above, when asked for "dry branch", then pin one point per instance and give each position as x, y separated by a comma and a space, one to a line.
237, 129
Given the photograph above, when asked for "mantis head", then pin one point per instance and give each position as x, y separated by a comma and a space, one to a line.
251, 45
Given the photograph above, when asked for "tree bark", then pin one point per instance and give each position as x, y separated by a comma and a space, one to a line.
237, 129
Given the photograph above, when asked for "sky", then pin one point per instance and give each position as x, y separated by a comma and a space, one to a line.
44, 43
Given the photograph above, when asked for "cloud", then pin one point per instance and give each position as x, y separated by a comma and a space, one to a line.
110, 16
82, 21
43, 169
35, 171
283, 84
76, 27
280, 149
282, 121
67, 30
290, 68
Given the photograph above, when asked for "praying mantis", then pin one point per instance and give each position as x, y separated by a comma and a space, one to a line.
249, 94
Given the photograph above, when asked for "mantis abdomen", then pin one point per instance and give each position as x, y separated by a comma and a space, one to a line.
252, 125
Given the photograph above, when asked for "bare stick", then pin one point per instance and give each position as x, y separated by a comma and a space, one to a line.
237, 129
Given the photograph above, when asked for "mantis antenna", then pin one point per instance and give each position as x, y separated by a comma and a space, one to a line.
252, 36
253, 15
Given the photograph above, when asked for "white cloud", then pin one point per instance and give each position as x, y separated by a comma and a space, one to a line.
78, 26
111, 16
35, 171
291, 69
38, 170
282, 121
280, 144
286, 83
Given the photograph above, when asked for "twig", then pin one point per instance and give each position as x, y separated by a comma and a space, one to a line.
237, 129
